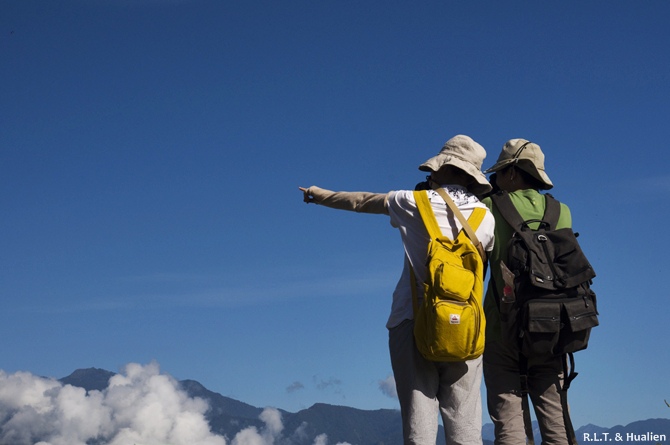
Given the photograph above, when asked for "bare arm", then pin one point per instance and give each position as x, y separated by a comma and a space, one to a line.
362, 202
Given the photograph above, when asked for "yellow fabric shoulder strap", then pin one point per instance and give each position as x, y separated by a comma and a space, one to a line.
427, 214
476, 217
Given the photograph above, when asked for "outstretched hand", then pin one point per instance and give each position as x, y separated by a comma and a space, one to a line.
306, 196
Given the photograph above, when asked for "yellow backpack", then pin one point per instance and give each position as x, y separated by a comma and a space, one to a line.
449, 323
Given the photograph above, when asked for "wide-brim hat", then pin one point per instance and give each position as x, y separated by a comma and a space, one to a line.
527, 156
462, 152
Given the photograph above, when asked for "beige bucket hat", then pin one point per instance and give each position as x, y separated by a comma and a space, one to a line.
527, 156
463, 152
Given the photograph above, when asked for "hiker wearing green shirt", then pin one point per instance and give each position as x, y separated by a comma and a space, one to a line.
520, 172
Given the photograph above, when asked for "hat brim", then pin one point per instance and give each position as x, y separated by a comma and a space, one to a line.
498, 166
481, 185
527, 166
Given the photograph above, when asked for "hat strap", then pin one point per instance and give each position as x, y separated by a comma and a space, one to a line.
515, 158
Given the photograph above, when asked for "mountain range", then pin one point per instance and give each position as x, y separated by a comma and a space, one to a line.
228, 416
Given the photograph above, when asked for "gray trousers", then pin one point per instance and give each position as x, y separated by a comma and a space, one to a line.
503, 393
426, 388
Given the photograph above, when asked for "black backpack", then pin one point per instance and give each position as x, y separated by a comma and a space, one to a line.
547, 306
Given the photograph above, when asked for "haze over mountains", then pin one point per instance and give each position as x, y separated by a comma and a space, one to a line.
141, 405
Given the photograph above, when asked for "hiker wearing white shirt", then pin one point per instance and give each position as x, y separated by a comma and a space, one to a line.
426, 388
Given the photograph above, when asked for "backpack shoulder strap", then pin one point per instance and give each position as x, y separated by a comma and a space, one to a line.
552, 211
457, 213
476, 217
506, 208
427, 214
469, 231
429, 220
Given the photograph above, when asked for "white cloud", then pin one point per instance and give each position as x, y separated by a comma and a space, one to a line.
139, 406
321, 439
266, 436
272, 419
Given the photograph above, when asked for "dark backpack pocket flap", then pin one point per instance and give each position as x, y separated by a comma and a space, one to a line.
581, 313
544, 316
579, 277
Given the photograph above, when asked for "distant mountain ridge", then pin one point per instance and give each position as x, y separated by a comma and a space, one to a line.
228, 416
345, 424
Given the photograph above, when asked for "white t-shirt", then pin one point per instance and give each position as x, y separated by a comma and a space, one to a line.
405, 217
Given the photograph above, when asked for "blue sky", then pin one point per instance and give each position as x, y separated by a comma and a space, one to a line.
150, 154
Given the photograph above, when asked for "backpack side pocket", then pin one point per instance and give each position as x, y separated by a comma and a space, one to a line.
580, 315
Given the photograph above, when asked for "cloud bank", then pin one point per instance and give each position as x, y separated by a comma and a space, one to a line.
140, 406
